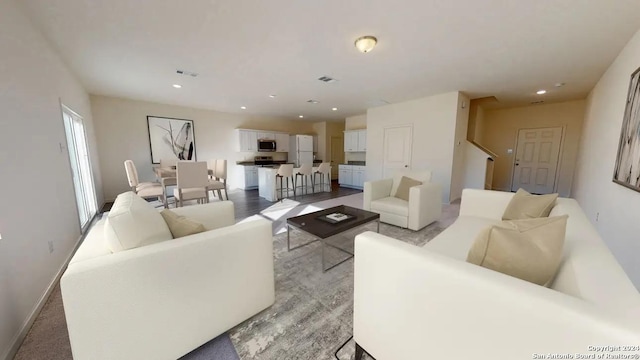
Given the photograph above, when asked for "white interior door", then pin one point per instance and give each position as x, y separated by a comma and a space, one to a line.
397, 149
536, 161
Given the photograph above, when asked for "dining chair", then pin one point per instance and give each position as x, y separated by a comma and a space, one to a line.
192, 179
218, 174
146, 190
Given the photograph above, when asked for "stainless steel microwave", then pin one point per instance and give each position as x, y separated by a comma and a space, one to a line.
266, 145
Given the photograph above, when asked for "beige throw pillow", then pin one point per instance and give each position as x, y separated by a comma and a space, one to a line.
528, 249
526, 206
179, 225
406, 183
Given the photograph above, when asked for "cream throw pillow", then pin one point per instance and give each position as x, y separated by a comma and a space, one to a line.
529, 249
525, 206
179, 225
406, 183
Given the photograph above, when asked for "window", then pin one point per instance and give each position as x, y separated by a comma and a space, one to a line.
80, 166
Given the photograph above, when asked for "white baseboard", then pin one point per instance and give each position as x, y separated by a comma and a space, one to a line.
19, 338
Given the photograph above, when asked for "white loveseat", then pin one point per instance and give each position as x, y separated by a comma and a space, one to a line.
162, 300
423, 208
429, 303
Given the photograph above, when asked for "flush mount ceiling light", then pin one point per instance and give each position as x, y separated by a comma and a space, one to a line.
177, 86
301, 116
541, 92
243, 107
366, 43
272, 96
334, 109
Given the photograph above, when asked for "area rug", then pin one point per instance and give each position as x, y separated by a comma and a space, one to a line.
313, 313
220, 348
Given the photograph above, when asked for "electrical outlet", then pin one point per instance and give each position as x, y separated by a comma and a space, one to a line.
50, 246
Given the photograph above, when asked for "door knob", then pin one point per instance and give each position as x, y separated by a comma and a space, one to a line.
517, 164
406, 166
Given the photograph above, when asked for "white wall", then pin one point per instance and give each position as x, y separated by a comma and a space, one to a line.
458, 168
38, 197
617, 206
434, 127
475, 169
122, 133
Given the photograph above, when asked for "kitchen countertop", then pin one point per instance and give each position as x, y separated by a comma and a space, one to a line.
275, 162
358, 163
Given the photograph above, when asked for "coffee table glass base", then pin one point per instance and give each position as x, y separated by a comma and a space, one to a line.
324, 232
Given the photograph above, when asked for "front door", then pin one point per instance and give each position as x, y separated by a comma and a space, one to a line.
397, 149
536, 161
337, 154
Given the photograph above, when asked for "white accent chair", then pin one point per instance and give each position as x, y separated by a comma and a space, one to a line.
146, 190
169, 296
423, 208
192, 181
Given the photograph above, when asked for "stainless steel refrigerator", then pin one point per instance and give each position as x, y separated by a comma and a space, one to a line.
301, 150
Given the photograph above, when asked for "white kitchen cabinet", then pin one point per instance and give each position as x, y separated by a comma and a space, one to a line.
351, 176
358, 176
345, 175
266, 135
247, 140
355, 141
248, 178
350, 141
282, 142
362, 140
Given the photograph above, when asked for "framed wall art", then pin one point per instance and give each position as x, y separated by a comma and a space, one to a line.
627, 170
171, 138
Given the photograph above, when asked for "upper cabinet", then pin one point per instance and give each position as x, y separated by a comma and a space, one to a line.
247, 140
355, 141
282, 142
266, 135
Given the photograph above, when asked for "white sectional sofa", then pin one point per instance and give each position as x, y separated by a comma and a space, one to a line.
162, 300
429, 303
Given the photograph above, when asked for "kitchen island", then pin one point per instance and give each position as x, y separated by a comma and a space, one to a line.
267, 184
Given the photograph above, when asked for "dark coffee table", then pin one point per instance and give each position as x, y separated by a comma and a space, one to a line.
314, 224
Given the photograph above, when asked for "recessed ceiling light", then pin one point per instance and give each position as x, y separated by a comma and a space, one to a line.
300, 116
243, 107
272, 96
334, 109
541, 92
177, 86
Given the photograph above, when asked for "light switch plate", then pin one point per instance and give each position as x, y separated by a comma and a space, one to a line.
509, 151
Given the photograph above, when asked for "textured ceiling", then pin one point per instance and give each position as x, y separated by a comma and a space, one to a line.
246, 50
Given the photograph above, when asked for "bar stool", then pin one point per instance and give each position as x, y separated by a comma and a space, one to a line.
305, 172
325, 172
285, 171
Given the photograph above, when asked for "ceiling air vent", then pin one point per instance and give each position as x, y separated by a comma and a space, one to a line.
327, 79
186, 73
313, 101
537, 102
